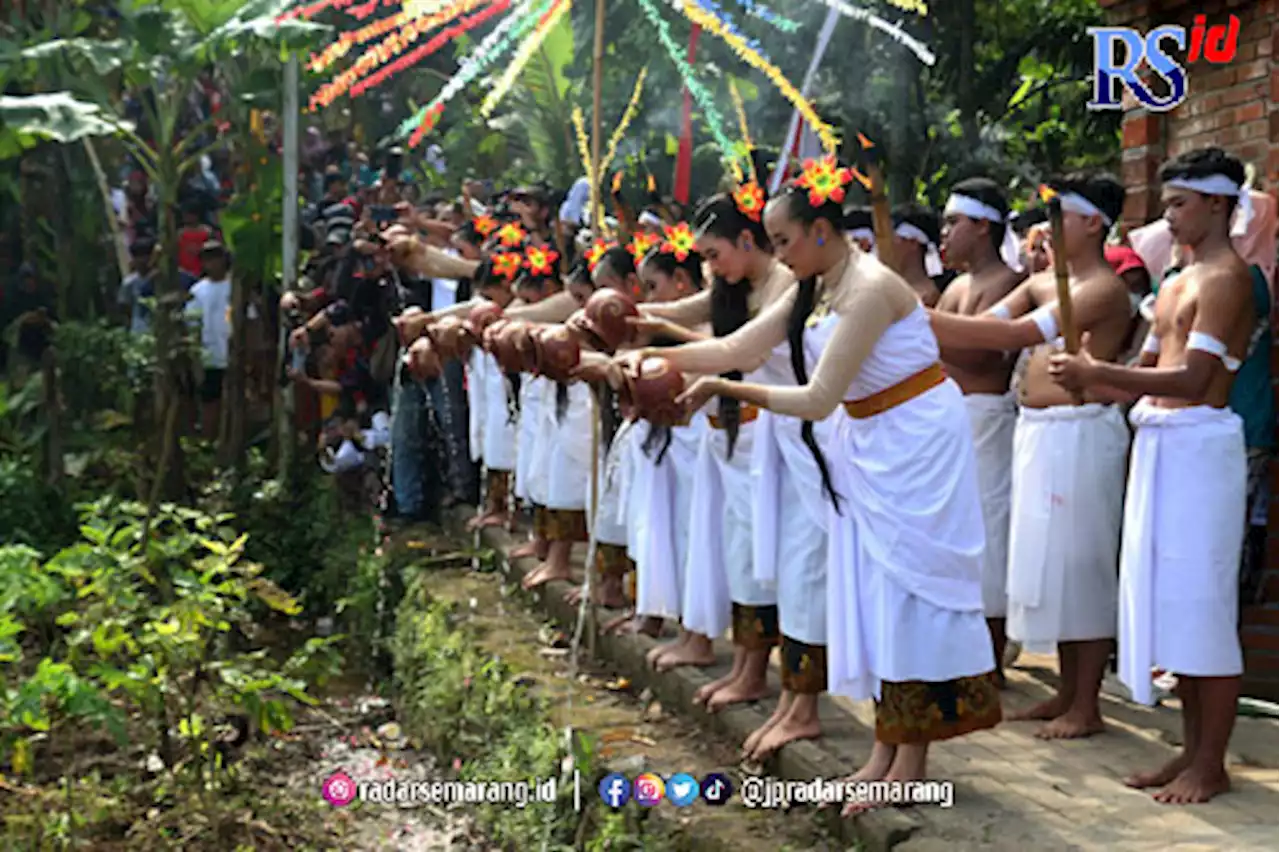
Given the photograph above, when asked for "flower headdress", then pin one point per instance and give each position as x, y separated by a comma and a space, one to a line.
749, 199
680, 241
511, 235
540, 261
484, 226
507, 265
640, 245
825, 179
598, 251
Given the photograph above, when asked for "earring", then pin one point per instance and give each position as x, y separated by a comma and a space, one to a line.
821, 241
747, 247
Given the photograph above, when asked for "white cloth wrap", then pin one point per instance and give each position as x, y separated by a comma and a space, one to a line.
992, 418
476, 403
718, 568
500, 434
1064, 532
1184, 520
611, 521
789, 535
569, 456
659, 568
904, 592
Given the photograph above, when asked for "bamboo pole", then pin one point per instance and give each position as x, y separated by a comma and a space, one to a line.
881, 217
1062, 277
597, 77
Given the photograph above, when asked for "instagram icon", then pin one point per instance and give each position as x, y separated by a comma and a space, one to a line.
649, 789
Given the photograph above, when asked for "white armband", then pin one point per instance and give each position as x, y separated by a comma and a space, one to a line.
1000, 312
1045, 321
1208, 343
1151, 345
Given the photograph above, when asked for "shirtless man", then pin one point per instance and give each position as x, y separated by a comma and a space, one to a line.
1069, 458
916, 236
1187, 481
973, 231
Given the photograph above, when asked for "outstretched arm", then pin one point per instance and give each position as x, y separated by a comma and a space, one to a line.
688, 312
746, 349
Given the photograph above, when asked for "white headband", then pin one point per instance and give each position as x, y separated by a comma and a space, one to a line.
1074, 202
1221, 185
648, 218
862, 234
932, 259
965, 205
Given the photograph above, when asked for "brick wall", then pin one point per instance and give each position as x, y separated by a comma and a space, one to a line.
1234, 107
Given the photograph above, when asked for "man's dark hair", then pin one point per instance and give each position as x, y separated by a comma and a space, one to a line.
1028, 219
1203, 163
142, 247
857, 217
987, 191
332, 178
920, 216
1100, 189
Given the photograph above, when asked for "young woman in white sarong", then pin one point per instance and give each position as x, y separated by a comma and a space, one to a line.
721, 589
669, 272
905, 623
1186, 500
788, 523
491, 412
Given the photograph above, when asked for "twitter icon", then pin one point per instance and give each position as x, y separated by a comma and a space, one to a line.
682, 790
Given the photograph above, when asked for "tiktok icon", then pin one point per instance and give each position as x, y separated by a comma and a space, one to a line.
716, 789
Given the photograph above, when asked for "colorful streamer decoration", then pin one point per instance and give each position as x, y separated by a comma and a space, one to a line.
742, 124
584, 145
708, 22
920, 7
711, 7
390, 47
628, 115
310, 10
770, 17
495, 45
895, 32
703, 98
523, 55
416, 55
340, 48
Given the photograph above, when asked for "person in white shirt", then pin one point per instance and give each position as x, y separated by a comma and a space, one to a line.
210, 305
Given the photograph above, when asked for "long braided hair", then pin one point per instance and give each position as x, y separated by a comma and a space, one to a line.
797, 206
720, 217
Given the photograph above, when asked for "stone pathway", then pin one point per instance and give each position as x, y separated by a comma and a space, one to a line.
1013, 791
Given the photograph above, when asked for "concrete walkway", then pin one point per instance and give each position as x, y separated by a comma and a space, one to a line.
1013, 791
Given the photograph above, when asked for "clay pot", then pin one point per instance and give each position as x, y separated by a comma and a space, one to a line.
423, 360
481, 317
651, 392
557, 353
606, 316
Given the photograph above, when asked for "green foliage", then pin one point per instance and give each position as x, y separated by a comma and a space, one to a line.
102, 368
153, 622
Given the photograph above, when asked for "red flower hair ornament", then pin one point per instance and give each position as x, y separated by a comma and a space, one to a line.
540, 261
511, 235
749, 199
640, 245
598, 251
680, 241
484, 225
507, 265
825, 179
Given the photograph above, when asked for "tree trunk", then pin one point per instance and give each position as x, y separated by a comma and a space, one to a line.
173, 368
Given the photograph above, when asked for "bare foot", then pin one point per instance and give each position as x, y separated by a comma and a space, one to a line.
529, 548
695, 653
1161, 776
1044, 711
494, 520
478, 521
637, 625
1193, 786
786, 731
1071, 725
545, 573
709, 689
753, 739
615, 625
655, 654
738, 692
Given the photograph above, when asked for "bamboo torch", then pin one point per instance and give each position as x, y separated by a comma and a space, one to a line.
1061, 274
881, 217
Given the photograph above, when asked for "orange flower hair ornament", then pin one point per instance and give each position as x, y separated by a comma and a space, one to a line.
484, 225
825, 179
507, 265
680, 241
597, 251
540, 261
750, 200
640, 245
511, 235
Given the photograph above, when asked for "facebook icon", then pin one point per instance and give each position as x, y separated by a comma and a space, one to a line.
615, 790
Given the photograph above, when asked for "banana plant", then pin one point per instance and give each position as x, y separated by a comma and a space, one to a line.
158, 51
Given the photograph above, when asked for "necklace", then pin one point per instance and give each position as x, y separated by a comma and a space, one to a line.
822, 307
